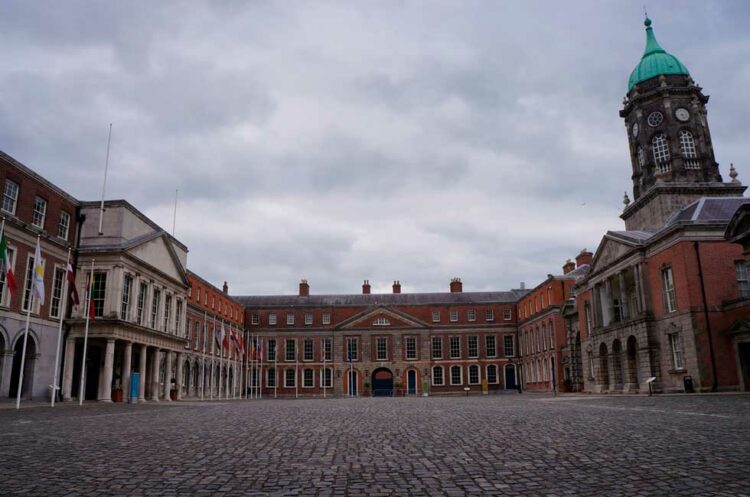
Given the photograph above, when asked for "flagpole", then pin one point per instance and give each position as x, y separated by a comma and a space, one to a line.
213, 354
86, 335
55, 388
275, 368
323, 378
203, 366
296, 370
104, 185
260, 374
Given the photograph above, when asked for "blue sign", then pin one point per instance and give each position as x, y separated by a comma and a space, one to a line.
135, 385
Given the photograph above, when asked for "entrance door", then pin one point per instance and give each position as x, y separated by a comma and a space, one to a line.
382, 383
510, 377
411, 382
744, 350
28, 368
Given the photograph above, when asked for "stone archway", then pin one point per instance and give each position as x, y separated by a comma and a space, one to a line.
28, 368
617, 369
603, 377
382, 383
632, 365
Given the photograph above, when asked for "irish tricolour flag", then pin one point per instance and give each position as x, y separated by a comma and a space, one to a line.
10, 278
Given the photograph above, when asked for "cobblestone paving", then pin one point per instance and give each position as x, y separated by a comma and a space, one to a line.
498, 445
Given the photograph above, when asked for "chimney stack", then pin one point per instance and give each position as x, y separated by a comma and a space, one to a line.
225, 288
456, 285
523, 285
366, 287
396, 286
569, 266
585, 257
304, 288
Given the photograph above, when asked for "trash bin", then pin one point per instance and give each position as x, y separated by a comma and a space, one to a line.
135, 385
688, 381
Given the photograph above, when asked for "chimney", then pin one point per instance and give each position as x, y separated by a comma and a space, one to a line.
585, 257
569, 266
456, 285
366, 287
304, 288
523, 285
225, 288
396, 286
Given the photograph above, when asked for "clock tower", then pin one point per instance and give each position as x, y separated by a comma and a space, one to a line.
671, 151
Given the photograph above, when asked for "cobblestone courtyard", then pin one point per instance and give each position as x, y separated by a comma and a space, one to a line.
499, 445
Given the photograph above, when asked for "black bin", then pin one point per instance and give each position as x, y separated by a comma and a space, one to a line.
688, 382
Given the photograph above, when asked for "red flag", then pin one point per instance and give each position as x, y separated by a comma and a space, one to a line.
72, 286
5, 261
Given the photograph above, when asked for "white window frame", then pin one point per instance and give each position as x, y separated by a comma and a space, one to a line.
441, 378
57, 292
487, 374
287, 341
10, 197
435, 316
490, 349
512, 345
269, 384
489, 315
254, 319
475, 353
141, 309
660, 151
126, 296
290, 319
689, 150
326, 346
305, 356
675, 345
410, 342
471, 315
475, 367
286, 378
432, 347
308, 318
460, 374
305, 372
27, 286
269, 356
326, 319
272, 320
451, 340
35, 213
743, 282
453, 316
326, 380
63, 228
668, 290
381, 341
507, 314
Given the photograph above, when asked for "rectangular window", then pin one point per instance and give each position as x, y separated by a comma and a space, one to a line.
291, 350
490, 345
471, 315
290, 318
271, 349
454, 316
456, 375
551, 330
64, 227
167, 311
197, 335
411, 348
155, 307
437, 376
492, 374
327, 349
326, 318
140, 311
198, 295
307, 378
57, 290
10, 196
352, 352
98, 293
742, 281
435, 316
667, 283
28, 283
326, 380
474, 375
308, 349
290, 378
509, 346
271, 378
40, 210
473, 346
255, 319
674, 342
272, 319
437, 347
308, 318
178, 318
187, 343
127, 284
507, 314
489, 315
11, 252
381, 347
455, 347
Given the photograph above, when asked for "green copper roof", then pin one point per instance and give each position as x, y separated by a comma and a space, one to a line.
655, 61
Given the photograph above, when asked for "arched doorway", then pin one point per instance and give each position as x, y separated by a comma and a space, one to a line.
411, 382
196, 379
28, 368
382, 383
603, 379
632, 371
617, 364
186, 379
510, 377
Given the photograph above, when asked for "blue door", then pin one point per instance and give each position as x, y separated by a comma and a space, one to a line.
411, 380
510, 377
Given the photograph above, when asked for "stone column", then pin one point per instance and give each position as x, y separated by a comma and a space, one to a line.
6, 356
142, 375
70, 351
167, 374
155, 375
127, 355
180, 374
105, 383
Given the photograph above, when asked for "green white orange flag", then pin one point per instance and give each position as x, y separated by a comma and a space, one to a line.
38, 284
10, 278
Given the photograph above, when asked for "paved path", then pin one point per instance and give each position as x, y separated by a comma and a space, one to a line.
499, 445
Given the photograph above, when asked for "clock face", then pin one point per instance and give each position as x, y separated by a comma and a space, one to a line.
635, 130
682, 114
655, 119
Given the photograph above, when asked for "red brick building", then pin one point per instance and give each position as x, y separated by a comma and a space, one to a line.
400, 344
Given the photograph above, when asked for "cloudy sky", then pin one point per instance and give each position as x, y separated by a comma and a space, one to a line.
339, 141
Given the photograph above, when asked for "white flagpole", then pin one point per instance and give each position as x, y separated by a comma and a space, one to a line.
296, 370
275, 368
203, 366
64, 297
104, 184
260, 373
221, 362
246, 361
26, 332
81, 389
213, 356
323, 377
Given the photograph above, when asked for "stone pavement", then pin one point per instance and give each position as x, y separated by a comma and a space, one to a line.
497, 445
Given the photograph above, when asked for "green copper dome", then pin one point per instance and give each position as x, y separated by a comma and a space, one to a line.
655, 61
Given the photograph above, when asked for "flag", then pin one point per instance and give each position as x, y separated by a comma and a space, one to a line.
37, 287
72, 285
10, 278
224, 338
219, 335
235, 339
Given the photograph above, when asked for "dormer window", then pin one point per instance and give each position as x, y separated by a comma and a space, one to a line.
381, 321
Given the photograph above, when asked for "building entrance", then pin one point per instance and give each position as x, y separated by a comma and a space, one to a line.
744, 350
411, 381
382, 383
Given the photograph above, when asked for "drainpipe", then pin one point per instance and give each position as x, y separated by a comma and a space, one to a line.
715, 384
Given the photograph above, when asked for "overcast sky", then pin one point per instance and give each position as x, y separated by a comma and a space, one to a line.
339, 141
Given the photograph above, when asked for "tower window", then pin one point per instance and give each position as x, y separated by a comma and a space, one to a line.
687, 148
641, 158
660, 148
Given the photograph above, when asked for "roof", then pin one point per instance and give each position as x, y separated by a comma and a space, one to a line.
371, 299
707, 210
35, 176
655, 61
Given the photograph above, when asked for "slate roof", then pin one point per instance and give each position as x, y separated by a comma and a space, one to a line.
373, 299
707, 210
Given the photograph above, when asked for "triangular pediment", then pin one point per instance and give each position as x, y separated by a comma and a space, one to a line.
158, 253
381, 317
609, 252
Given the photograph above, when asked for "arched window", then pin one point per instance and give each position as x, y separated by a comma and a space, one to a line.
641, 158
437, 376
687, 148
660, 148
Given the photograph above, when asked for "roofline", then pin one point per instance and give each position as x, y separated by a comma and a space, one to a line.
205, 282
37, 177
